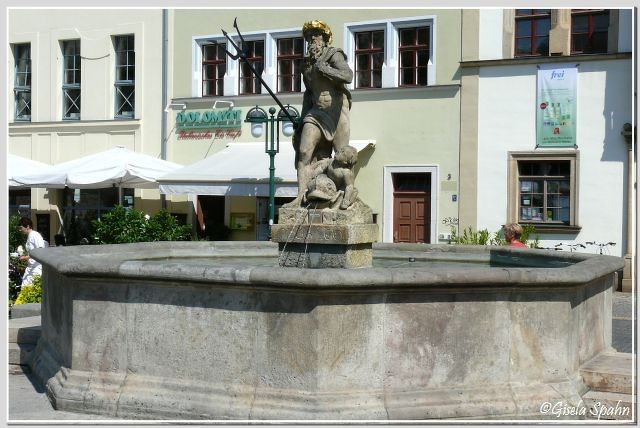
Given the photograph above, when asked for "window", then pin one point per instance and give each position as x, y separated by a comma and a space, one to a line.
369, 58
71, 79
290, 53
125, 59
249, 83
392, 53
532, 32
214, 67
20, 202
543, 189
414, 56
589, 31
22, 82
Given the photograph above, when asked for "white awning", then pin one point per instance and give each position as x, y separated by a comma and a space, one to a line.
115, 167
240, 169
17, 165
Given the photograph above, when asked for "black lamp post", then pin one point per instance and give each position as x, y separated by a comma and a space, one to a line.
258, 118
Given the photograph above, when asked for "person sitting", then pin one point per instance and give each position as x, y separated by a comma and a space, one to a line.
512, 233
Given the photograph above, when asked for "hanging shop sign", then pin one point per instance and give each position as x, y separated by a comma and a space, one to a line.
556, 107
198, 125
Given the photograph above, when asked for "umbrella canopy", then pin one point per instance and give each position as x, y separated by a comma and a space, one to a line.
17, 165
116, 167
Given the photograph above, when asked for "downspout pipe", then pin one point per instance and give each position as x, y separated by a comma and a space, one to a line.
165, 87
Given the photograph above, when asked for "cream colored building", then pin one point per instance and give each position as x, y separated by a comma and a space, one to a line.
593, 213
411, 126
83, 81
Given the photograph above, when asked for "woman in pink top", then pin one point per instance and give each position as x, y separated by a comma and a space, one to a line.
512, 233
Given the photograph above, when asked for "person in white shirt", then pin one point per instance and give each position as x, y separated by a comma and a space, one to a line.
34, 240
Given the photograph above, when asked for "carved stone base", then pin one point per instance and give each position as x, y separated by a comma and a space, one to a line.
326, 238
325, 255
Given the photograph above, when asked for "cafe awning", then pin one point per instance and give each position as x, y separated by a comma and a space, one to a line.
240, 169
17, 165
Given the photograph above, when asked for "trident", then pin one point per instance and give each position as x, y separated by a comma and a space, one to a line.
242, 54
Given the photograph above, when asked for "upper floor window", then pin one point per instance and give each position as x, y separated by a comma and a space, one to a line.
589, 31
532, 32
249, 83
125, 80
369, 58
290, 57
214, 67
71, 79
22, 81
414, 56
397, 52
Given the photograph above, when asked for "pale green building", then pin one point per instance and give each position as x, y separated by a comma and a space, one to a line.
405, 118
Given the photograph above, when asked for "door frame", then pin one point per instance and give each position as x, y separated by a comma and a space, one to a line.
387, 213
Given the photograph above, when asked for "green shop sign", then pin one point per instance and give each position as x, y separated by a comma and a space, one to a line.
196, 125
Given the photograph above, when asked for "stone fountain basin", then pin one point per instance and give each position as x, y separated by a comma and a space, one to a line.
134, 331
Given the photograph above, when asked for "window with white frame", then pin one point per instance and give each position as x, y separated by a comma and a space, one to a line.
22, 81
392, 53
214, 67
125, 77
369, 54
276, 55
290, 56
543, 189
414, 56
249, 83
71, 79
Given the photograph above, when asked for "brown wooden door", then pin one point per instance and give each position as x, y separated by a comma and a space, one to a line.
411, 208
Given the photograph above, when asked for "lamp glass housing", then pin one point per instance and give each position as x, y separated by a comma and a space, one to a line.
287, 129
256, 130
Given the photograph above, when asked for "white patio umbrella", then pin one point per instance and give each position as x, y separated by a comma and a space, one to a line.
115, 167
17, 165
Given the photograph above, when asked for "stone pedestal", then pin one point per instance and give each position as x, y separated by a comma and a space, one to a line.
326, 238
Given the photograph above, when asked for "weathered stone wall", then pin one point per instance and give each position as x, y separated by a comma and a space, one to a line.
219, 343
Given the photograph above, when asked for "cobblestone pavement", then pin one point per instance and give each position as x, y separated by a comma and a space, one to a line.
622, 322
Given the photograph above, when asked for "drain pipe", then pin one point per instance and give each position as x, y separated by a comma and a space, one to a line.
165, 84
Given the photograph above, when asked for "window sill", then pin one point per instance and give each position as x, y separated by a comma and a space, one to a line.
554, 228
545, 59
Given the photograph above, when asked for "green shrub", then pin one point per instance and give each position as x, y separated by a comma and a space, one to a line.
130, 225
483, 237
164, 227
31, 293
469, 237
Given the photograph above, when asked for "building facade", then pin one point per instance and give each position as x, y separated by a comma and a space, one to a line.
405, 112
575, 185
82, 81
446, 115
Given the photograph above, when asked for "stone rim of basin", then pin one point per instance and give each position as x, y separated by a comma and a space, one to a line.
143, 260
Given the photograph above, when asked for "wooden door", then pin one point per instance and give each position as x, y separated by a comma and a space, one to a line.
411, 208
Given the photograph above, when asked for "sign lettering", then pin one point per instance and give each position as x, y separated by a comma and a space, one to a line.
196, 125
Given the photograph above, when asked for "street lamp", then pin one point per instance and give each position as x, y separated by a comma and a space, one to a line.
258, 118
